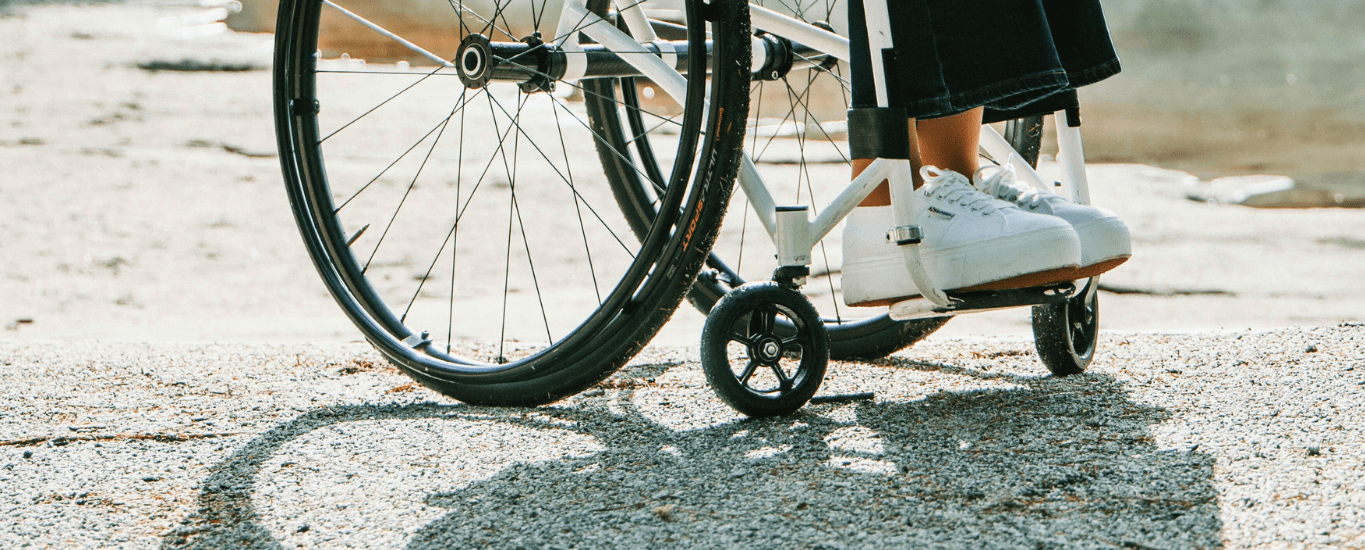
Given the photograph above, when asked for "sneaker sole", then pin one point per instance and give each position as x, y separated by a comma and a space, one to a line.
1094, 270
1029, 280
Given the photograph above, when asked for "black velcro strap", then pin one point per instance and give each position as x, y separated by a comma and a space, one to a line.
879, 133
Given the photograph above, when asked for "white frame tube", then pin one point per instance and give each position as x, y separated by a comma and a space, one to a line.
1001, 150
566, 38
792, 29
667, 78
1071, 156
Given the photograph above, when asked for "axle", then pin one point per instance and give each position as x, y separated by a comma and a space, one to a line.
536, 65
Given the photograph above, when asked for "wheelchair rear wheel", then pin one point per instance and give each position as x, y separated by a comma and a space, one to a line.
455, 210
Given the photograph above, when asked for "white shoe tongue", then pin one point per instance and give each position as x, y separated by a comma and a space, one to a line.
1000, 185
949, 178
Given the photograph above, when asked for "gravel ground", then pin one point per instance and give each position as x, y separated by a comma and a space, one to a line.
1233, 439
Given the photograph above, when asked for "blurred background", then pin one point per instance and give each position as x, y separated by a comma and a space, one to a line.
140, 195
1212, 87
1238, 87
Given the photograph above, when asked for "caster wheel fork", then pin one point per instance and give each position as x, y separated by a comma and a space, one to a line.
758, 365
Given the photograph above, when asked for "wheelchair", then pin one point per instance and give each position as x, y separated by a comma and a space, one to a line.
511, 207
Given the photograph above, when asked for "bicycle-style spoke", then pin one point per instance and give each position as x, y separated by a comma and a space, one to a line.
488, 22
455, 233
530, 258
578, 211
744, 222
806, 109
566, 180
408, 191
802, 175
534, 72
623, 155
650, 130
500, 12
507, 260
439, 125
381, 104
423, 281
458, 6
817, 68
450, 236
804, 168
384, 32
530, 262
514, 216
392, 73
529, 71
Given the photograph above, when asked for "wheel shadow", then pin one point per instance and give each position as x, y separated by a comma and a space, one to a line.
1046, 463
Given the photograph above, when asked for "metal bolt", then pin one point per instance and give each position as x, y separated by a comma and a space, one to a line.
770, 349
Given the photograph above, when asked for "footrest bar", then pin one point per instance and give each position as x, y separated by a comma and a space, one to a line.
976, 302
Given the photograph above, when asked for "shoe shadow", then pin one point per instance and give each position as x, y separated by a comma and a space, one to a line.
1044, 463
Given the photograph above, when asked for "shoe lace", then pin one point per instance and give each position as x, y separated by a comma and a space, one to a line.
1005, 186
954, 188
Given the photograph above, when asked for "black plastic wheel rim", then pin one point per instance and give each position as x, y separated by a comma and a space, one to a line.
1082, 318
766, 360
351, 279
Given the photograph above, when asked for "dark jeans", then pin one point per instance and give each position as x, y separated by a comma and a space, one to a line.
952, 56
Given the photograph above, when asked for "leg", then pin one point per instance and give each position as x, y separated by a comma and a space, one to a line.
950, 143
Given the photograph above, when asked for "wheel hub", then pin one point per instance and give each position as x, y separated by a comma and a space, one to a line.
769, 350
474, 61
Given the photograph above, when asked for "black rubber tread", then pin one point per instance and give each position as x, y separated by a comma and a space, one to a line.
1065, 335
591, 353
716, 337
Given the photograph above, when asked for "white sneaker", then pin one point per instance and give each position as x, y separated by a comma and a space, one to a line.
971, 241
1104, 237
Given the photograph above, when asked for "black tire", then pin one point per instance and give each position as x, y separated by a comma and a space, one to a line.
1066, 334
340, 121
756, 367
743, 251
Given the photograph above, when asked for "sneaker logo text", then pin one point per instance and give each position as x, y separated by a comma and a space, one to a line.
946, 215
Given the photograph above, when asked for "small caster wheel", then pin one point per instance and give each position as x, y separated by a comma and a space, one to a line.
755, 362
1066, 333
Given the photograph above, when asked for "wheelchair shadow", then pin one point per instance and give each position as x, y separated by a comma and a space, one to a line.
1044, 464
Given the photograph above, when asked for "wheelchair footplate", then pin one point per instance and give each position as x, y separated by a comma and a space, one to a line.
979, 301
